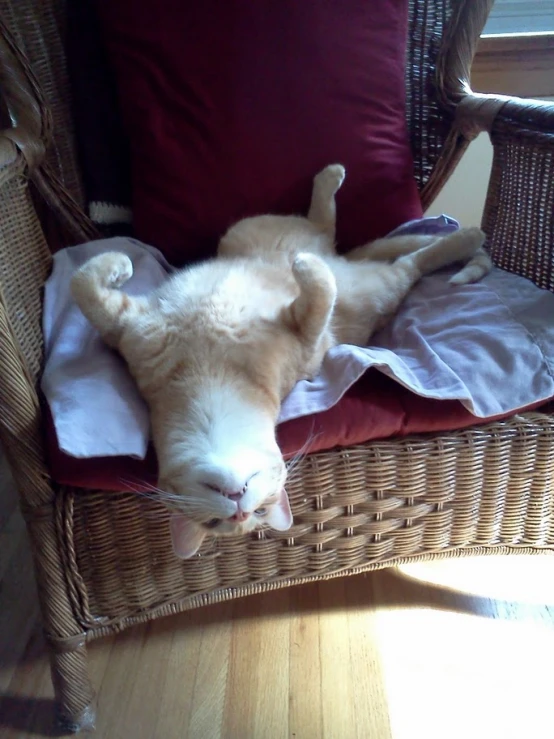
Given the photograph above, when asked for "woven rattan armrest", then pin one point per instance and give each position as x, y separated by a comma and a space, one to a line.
519, 209
25, 261
24, 264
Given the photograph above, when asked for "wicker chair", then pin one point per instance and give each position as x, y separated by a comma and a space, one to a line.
103, 560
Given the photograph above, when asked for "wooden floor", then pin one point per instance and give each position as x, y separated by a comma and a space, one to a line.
451, 649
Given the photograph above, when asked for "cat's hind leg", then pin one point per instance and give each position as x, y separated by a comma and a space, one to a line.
397, 279
466, 244
323, 210
390, 248
477, 267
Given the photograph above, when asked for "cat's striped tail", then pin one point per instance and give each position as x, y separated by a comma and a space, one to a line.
95, 290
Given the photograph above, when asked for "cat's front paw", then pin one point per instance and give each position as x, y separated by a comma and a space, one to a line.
309, 269
121, 270
305, 263
111, 269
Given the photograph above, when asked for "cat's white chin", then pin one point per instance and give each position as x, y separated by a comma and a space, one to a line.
223, 468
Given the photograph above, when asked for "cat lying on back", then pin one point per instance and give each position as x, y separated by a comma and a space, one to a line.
217, 347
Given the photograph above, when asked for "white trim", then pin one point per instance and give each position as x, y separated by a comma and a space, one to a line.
520, 16
107, 213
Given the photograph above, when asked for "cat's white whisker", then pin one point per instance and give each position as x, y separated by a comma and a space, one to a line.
301, 453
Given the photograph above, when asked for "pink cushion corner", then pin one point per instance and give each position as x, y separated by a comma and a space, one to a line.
231, 108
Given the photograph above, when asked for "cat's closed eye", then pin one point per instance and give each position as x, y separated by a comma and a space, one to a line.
260, 511
212, 523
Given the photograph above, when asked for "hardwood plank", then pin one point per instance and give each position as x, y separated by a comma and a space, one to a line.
8, 494
258, 683
369, 697
151, 683
27, 707
212, 669
13, 534
115, 692
336, 675
18, 609
184, 633
305, 699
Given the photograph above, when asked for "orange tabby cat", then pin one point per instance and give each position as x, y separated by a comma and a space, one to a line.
220, 344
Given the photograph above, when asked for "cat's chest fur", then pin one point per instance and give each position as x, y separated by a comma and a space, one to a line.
228, 295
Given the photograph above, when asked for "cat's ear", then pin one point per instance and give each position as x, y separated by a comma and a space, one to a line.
279, 516
186, 535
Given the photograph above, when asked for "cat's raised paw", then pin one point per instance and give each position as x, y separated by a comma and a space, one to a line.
305, 263
111, 269
121, 272
331, 177
309, 269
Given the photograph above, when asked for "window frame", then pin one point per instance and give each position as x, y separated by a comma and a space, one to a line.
515, 64
520, 17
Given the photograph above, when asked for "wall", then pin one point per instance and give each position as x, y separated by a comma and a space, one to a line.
463, 196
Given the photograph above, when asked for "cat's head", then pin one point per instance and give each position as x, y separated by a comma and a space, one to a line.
221, 470
225, 473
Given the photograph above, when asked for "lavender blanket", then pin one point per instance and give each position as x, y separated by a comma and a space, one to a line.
488, 345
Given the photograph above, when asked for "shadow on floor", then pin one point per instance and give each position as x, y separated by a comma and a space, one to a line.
31, 716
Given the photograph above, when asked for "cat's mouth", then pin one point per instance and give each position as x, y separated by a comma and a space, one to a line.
237, 517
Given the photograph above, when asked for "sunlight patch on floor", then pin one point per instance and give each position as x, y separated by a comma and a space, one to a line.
522, 579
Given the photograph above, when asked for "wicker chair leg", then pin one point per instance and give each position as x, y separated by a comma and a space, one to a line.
76, 709
47, 524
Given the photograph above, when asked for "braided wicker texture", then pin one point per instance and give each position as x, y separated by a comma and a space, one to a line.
103, 561
38, 29
428, 124
353, 509
520, 205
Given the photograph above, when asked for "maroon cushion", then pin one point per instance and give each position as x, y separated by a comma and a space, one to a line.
232, 107
376, 407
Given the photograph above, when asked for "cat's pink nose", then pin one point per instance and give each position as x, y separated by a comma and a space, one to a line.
239, 516
231, 493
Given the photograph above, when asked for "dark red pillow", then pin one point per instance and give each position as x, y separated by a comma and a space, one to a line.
232, 107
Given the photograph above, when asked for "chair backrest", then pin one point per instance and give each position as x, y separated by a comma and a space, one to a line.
37, 143
441, 42
37, 26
